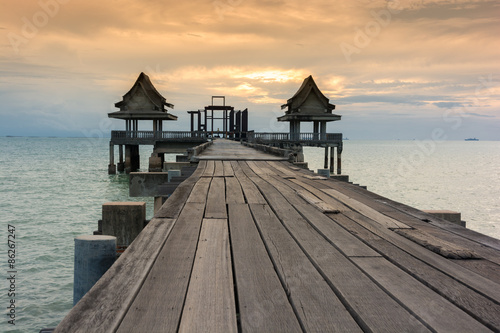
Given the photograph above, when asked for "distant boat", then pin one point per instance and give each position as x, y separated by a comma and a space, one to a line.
346, 138
471, 139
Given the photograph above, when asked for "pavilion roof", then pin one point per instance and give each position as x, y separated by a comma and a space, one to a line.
143, 102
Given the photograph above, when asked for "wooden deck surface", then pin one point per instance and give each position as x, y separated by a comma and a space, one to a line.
228, 150
259, 246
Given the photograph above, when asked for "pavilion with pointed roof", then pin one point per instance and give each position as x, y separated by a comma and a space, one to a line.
309, 104
143, 102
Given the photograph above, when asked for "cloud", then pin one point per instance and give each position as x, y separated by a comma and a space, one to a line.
479, 115
448, 105
428, 57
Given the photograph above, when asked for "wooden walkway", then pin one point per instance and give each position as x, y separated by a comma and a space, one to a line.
262, 246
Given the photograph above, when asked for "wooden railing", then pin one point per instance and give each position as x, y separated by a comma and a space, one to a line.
295, 137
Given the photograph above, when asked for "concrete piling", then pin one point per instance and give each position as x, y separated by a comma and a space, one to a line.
124, 220
94, 254
173, 173
324, 172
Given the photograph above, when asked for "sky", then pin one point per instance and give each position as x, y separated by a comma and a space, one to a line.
400, 69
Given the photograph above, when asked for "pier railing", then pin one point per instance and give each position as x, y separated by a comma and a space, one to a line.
154, 136
303, 138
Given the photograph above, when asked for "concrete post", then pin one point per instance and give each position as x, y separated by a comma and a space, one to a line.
155, 163
124, 220
323, 131
326, 157
172, 174
132, 158
339, 160
94, 254
111, 166
158, 202
332, 169
121, 165
324, 172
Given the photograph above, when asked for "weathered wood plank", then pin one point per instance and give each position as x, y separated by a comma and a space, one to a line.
439, 235
469, 278
484, 267
311, 297
252, 193
312, 187
438, 313
342, 239
116, 290
200, 190
219, 169
281, 170
210, 302
366, 210
480, 307
315, 177
234, 194
317, 202
441, 247
216, 205
259, 168
383, 204
158, 305
263, 304
370, 305
228, 169
209, 169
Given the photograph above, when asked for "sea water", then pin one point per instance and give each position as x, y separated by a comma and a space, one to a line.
52, 190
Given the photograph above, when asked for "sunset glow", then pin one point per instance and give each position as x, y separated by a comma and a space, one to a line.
65, 62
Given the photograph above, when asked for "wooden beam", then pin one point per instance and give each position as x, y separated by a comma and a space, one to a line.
210, 302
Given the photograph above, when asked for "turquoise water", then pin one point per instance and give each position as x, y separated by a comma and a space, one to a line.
52, 190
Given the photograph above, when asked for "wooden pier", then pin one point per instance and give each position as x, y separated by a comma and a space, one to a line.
253, 244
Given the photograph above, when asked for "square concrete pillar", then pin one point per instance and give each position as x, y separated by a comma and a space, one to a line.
324, 172
124, 220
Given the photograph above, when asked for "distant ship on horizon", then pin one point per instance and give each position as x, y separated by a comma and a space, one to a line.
471, 139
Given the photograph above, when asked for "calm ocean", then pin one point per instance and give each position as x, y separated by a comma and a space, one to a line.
52, 190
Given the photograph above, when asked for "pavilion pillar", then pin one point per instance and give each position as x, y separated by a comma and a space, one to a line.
224, 124
332, 169
192, 121
316, 130
323, 131
339, 160
326, 158
244, 123
199, 121
111, 166
121, 165
294, 130
160, 125
238, 125
155, 126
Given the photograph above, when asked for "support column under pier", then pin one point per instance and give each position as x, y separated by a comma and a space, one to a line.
121, 165
332, 169
132, 158
111, 166
339, 160
326, 158
156, 162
